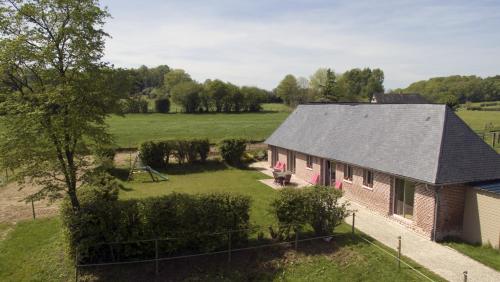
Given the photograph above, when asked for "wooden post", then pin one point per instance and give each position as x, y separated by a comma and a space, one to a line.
33, 209
465, 276
353, 220
296, 238
494, 138
229, 247
399, 252
76, 265
156, 257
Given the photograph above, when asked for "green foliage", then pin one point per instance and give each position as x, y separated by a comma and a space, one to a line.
451, 101
187, 95
464, 88
105, 156
232, 150
60, 91
288, 90
157, 154
162, 105
318, 207
175, 77
360, 84
135, 106
189, 218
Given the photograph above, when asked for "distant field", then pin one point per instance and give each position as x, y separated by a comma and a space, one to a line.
134, 129
478, 119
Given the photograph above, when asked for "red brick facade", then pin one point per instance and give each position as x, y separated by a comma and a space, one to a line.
379, 198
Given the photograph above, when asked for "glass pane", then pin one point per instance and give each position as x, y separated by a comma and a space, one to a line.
399, 197
409, 199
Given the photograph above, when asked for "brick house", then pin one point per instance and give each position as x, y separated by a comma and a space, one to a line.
418, 164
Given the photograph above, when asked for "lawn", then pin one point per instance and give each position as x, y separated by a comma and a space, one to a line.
133, 129
484, 254
478, 119
211, 177
33, 250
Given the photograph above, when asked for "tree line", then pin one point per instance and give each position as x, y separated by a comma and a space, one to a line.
457, 88
355, 85
177, 86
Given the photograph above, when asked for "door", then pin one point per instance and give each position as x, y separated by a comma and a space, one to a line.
329, 173
404, 195
290, 161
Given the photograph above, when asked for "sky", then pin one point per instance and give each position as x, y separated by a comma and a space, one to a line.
257, 43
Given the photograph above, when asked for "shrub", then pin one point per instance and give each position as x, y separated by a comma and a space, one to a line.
232, 150
105, 157
203, 148
189, 218
153, 154
135, 106
181, 150
317, 206
162, 105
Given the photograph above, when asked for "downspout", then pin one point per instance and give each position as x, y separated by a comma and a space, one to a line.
437, 191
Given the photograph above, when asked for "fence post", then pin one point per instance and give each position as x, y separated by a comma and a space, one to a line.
76, 265
296, 238
156, 256
399, 252
465, 276
33, 209
229, 247
353, 220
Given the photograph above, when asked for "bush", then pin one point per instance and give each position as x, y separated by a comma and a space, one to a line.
317, 207
232, 150
162, 105
153, 154
135, 106
189, 218
203, 148
105, 157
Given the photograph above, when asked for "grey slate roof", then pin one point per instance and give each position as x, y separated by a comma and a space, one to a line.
490, 186
423, 142
400, 98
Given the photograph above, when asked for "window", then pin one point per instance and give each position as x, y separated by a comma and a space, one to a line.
309, 161
368, 178
347, 172
404, 195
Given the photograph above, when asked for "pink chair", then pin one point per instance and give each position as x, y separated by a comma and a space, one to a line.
279, 166
315, 179
338, 184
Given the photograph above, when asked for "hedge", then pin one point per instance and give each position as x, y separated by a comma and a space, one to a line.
318, 207
162, 105
188, 218
157, 153
232, 150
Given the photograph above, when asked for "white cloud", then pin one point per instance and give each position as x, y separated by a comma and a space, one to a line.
258, 47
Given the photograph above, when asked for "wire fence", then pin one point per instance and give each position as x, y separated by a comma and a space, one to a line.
295, 240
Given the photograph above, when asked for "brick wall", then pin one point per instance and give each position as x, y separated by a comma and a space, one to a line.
269, 156
424, 209
451, 211
301, 169
377, 198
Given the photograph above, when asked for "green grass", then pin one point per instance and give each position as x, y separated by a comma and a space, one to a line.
211, 177
478, 119
34, 251
133, 129
484, 254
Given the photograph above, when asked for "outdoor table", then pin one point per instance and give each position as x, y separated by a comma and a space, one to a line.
281, 176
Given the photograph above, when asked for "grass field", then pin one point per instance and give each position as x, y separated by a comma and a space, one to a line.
33, 251
133, 129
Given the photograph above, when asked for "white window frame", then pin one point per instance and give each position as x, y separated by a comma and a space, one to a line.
309, 161
366, 184
348, 168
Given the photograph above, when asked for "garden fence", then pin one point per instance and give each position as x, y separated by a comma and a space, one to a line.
294, 241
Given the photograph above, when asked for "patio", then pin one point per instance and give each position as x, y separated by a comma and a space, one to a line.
264, 168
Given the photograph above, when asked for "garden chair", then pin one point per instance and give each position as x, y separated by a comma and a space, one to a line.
315, 179
287, 179
338, 184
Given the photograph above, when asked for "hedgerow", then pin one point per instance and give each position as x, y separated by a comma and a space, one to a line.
186, 219
157, 153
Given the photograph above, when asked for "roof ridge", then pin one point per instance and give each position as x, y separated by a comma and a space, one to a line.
443, 134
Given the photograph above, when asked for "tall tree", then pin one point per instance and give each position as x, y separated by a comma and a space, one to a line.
50, 59
174, 77
288, 90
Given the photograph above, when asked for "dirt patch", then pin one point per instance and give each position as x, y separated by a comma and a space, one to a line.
13, 208
125, 158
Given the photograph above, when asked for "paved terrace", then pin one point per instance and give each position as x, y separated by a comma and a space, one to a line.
263, 167
442, 260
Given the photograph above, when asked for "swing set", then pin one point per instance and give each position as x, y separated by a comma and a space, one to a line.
137, 166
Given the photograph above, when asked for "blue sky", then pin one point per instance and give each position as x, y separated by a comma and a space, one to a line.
257, 42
